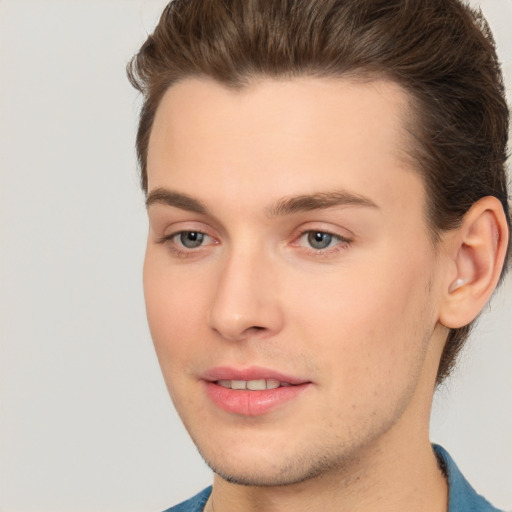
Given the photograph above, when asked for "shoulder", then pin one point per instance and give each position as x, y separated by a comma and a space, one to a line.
462, 497
194, 504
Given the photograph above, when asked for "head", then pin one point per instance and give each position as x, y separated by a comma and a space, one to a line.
212, 75
443, 56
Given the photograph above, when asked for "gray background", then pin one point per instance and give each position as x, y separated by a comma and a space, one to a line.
85, 421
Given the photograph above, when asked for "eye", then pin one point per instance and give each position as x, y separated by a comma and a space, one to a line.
188, 243
190, 239
319, 240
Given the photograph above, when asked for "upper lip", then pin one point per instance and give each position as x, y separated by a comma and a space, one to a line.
250, 373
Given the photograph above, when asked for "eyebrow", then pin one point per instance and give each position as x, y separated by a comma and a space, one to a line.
284, 206
318, 201
176, 199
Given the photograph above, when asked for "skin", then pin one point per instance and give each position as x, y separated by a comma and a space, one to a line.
359, 319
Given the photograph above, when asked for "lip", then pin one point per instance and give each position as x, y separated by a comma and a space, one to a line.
251, 403
250, 373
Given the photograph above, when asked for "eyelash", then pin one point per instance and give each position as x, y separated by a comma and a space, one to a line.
341, 242
179, 250
183, 252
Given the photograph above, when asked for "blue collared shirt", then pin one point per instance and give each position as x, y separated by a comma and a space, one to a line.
462, 497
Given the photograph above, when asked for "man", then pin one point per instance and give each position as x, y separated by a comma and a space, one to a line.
326, 192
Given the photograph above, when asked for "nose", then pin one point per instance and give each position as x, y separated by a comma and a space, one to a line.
246, 302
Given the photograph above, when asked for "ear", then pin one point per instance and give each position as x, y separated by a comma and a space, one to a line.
477, 249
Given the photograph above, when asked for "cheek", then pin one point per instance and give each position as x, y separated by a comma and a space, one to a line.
368, 325
175, 307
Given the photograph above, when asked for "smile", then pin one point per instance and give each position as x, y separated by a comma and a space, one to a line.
252, 385
252, 391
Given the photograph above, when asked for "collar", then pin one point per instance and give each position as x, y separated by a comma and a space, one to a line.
462, 497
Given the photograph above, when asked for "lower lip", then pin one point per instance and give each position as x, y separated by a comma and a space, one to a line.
252, 403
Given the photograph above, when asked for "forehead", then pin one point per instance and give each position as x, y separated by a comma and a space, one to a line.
281, 137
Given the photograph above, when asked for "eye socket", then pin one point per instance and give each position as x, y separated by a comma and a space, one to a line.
191, 239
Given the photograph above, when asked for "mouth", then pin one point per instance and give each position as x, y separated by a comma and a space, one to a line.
252, 391
252, 385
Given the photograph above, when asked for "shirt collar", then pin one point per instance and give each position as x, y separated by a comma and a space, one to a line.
462, 497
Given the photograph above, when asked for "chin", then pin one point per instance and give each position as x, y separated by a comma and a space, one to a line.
288, 474
265, 468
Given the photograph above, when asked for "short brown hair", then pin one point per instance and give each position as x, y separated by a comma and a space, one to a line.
441, 51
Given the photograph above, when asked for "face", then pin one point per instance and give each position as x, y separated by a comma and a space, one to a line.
290, 278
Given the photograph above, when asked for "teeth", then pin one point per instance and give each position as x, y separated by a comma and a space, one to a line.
238, 384
253, 385
257, 385
273, 384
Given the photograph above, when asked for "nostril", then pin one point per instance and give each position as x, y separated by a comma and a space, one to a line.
256, 328
253, 331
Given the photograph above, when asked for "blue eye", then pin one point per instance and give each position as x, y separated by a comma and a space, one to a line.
320, 239
191, 239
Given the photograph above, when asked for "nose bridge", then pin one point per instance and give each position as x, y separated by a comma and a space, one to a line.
246, 298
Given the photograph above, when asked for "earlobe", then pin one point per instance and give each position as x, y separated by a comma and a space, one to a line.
478, 252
